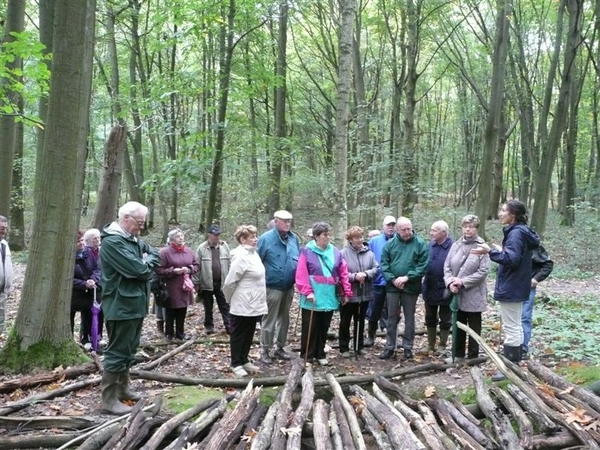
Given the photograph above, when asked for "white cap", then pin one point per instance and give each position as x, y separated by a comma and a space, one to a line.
282, 214
389, 219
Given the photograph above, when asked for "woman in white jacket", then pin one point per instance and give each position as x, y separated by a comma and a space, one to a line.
246, 293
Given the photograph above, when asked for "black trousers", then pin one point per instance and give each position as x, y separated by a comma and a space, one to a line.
317, 337
174, 322
473, 320
240, 340
444, 319
352, 312
208, 302
85, 330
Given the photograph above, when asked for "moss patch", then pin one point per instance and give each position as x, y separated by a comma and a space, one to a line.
41, 356
579, 373
268, 395
182, 398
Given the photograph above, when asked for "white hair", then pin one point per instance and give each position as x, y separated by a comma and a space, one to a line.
130, 208
441, 225
90, 234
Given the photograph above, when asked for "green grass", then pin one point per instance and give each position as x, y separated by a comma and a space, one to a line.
181, 398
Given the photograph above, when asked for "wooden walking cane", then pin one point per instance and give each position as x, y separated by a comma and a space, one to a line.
310, 321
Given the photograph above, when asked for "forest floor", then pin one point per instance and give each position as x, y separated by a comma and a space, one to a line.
209, 358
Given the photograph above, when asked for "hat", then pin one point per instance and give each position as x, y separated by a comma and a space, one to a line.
282, 214
309, 232
389, 219
214, 229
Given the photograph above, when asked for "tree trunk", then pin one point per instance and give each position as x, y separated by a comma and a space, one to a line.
495, 111
9, 101
17, 205
344, 86
550, 150
43, 315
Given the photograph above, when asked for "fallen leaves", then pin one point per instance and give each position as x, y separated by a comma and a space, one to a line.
579, 415
430, 391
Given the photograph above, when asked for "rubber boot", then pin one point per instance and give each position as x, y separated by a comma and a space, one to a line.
265, 358
110, 391
124, 392
370, 340
513, 354
441, 350
431, 338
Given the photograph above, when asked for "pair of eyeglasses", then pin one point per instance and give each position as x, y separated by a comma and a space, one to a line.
139, 222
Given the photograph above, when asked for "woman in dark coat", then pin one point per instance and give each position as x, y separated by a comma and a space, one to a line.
85, 281
177, 264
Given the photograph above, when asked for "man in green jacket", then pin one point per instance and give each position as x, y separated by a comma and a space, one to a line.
127, 263
403, 264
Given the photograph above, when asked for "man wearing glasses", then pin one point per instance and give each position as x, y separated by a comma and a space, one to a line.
127, 263
6, 269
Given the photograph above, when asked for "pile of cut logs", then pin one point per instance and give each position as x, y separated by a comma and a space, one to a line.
537, 409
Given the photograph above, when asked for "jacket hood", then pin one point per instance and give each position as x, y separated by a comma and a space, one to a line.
531, 237
363, 249
315, 248
114, 229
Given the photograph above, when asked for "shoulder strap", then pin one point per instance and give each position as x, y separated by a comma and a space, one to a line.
462, 264
325, 263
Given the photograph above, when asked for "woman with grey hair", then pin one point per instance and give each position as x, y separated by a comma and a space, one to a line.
465, 274
177, 264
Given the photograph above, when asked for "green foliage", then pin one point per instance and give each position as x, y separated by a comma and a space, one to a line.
564, 327
579, 373
41, 356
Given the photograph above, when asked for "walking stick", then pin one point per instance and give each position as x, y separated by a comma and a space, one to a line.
358, 320
310, 320
296, 324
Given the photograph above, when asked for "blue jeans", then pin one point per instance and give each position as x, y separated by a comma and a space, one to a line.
527, 319
377, 310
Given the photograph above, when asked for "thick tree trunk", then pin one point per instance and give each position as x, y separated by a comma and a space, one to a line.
43, 314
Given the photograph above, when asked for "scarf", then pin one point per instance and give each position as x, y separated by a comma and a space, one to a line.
178, 248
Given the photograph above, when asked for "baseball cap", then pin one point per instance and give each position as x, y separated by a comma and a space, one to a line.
389, 219
282, 214
214, 229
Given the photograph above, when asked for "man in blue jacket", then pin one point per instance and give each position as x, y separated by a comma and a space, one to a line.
377, 309
279, 250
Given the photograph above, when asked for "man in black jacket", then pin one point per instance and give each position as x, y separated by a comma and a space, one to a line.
542, 267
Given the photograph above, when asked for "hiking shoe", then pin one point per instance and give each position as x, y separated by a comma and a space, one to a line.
347, 354
362, 352
498, 376
387, 354
239, 371
408, 353
265, 358
323, 362
210, 330
369, 341
250, 368
457, 360
282, 354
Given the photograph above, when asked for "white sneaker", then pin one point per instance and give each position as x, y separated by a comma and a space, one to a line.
251, 368
239, 371
457, 360
323, 362
87, 347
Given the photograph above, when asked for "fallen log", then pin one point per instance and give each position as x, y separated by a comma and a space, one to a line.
508, 438
355, 432
199, 426
400, 437
465, 412
464, 439
553, 379
166, 428
479, 434
136, 428
395, 390
157, 362
539, 398
430, 420
374, 428
518, 415
22, 404
32, 381
43, 422
321, 420
294, 431
425, 431
342, 424
231, 425
34, 441
561, 440
279, 437
262, 440
544, 423
251, 426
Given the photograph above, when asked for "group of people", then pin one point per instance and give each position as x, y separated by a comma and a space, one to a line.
376, 283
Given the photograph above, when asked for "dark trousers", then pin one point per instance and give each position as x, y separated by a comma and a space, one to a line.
352, 312
242, 333
123, 342
473, 320
208, 302
317, 337
174, 321
377, 309
85, 330
444, 318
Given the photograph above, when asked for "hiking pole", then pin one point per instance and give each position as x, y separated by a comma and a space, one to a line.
310, 320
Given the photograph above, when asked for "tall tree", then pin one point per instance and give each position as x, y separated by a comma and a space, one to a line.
344, 87
493, 128
9, 101
42, 326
